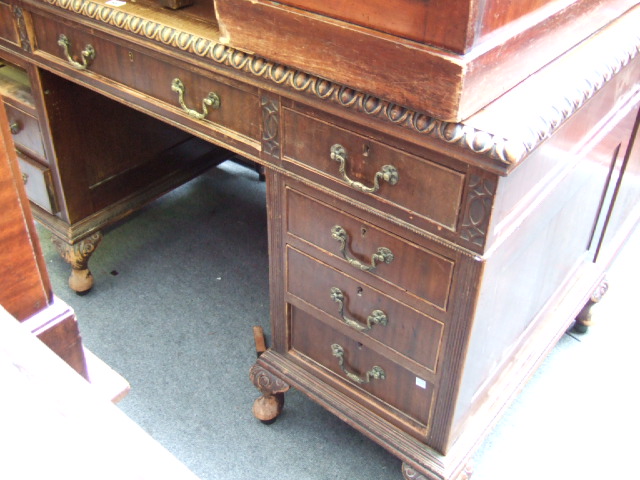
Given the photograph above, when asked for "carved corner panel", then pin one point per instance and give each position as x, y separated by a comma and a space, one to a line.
270, 126
477, 209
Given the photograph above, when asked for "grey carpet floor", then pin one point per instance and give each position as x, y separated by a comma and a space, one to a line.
179, 286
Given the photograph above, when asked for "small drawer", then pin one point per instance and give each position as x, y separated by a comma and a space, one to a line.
8, 30
25, 129
353, 364
361, 308
214, 102
366, 247
391, 179
38, 184
15, 86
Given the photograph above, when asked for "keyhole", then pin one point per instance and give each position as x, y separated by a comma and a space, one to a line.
363, 231
359, 291
365, 150
131, 56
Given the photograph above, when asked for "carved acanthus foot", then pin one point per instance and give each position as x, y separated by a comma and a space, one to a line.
410, 473
77, 255
583, 320
268, 407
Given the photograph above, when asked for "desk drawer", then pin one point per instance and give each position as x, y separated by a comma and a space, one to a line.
25, 129
349, 363
369, 248
232, 106
353, 306
8, 30
416, 186
38, 184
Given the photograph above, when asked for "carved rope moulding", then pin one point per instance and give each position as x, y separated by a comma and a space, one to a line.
511, 151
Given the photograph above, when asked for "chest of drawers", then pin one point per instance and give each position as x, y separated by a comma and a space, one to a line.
27, 137
417, 284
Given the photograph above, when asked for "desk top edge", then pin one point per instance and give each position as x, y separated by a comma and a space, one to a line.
491, 133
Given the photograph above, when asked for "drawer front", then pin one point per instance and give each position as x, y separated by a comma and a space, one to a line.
354, 366
26, 132
362, 246
38, 184
8, 29
352, 306
419, 187
231, 107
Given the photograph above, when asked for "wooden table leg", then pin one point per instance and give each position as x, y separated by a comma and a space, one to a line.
583, 320
78, 255
268, 407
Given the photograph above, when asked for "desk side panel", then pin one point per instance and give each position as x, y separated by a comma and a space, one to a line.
544, 266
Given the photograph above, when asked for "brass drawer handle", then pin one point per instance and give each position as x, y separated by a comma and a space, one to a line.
383, 254
15, 127
377, 317
25, 178
212, 100
388, 173
375, 373
87, 54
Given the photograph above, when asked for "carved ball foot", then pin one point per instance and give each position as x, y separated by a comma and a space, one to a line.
268, 407
81, 281
584, 319
77, 255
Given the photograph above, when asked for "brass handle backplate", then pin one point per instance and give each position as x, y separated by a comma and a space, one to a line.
15, 127
212, 100
377, 317
387, 173
87, 54
25, 178
383, 254
375, 373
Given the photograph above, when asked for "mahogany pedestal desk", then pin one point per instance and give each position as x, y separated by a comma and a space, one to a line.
420, 269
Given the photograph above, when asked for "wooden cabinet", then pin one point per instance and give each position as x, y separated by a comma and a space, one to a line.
420, 266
